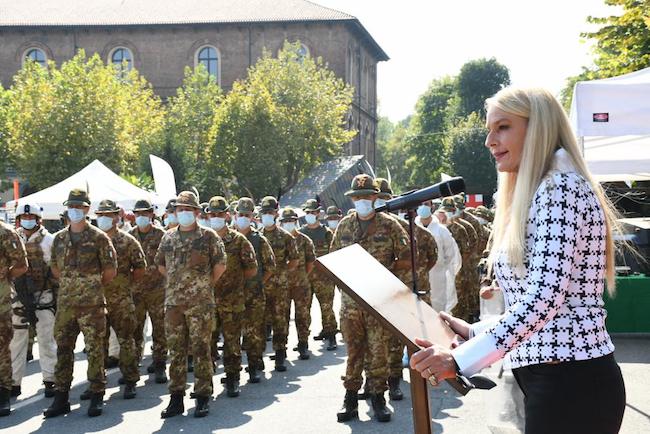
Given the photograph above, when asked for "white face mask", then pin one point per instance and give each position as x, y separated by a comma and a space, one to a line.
28, 224
450, 215
424, 211
268, 220
310, 219
104, 223
481, 220
217, 223
243, 222
364, 207
203, 222
170, 220
380, 202
75, 215
401, 215
142, 221
332, 224
185, 218
289, 227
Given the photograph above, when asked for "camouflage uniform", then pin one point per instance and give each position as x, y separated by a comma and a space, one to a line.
81, 305
12, 252
189, 258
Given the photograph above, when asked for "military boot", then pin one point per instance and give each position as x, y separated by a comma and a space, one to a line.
49, 389
255, 376
364, 394
202, 406
160, 374
320, 336
382, 414
303, 349
280, 357
394, 392
129, 391
85, 395
331, 342
175, 406
268, 333
151, 368
190, 363
61, 405
232, 385
5, 406
15, 391
350, 407
96, 406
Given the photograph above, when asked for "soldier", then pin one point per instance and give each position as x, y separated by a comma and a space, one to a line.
385, 239
169, 219
254, 324
277, 290
203, 219
334, 216
131, 266
36, 300
321, 285
149, 292
481, 233
192, 257
13, 264
230, 295
84, 260
299, 288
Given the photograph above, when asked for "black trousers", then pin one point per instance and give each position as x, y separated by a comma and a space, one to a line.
586, 396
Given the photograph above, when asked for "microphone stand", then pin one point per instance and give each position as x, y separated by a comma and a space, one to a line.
410, 216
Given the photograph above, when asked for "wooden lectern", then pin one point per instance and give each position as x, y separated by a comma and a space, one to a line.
393, 303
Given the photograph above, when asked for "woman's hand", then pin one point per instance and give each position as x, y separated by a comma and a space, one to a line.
459, 326
433, 362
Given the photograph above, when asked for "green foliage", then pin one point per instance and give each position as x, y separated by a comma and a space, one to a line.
272, 128
392, 153
61, 119
4, 148
478, 80
622, 44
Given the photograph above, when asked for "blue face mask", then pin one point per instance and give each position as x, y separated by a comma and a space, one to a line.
268, 220
185, 218
217, 223
289, 227
380, 202
364, 207
243, 222
142, 221
310, 219
75, 215
170, 220
28, 224
104, 223
424, 211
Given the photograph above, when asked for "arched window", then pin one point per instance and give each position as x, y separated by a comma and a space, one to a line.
36, 55
122, 58
209, 58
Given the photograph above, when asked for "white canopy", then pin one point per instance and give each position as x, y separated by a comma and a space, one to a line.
101, 182
624, 158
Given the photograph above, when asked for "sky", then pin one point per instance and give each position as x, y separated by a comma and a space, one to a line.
539, 41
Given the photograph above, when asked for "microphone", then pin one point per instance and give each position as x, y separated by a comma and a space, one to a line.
414, 199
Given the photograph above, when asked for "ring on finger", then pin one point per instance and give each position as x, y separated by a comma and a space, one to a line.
428, 372
433, 380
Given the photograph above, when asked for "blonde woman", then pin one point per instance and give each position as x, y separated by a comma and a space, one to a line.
553, 251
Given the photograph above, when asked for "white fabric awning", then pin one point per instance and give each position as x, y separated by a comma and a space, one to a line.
624, 158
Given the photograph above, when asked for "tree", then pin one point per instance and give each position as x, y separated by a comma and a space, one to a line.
272, 128
4, 148
478, 80
622, 44
190, 117
392, 152
60, 120
468, 156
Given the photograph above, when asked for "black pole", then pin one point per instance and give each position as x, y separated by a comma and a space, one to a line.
410, 216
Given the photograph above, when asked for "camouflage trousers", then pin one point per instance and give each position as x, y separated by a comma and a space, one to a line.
301, 296
69, 321
230, 325
323, 289
189, 331
254, 329
121, 317
277, 303
364, 338
467, 288
152, 302
6, 333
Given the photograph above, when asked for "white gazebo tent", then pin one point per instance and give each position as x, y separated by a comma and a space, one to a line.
101, 183
611, 118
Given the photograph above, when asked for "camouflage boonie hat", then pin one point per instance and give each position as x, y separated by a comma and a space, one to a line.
107, 206
362, 185
233, 206
459, 200
311, 205
448, 204
288, 214
435, 204
470, 210
245, 205
269, 203
187, 198
385, 192
333, 211
170, 205
484, 212
77, 196
142, 205
217, 204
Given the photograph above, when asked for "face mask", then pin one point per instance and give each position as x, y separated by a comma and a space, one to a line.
142, 221
424, 211
363, 207
171, 219
268, 220
332, 224
75, 215
450, 215
243, 222
185, 218
28, 224
203, 222
380, 202
217, 223
310, 219
104, 223
481, 220
402, 215
289, 227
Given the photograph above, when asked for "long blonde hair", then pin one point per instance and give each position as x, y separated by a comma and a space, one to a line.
548, 130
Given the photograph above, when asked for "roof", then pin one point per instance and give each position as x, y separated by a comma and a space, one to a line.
90, 13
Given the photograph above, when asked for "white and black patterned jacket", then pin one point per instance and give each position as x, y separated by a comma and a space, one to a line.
554, 308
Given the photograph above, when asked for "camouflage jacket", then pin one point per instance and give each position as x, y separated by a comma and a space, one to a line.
472, 239
305, 246
481, 233
459, 234
129, 257
426, 250
12, 252
384, 239
81, 264
284, 248
189, 261
229, 290
322, 239
150, 242
265, 261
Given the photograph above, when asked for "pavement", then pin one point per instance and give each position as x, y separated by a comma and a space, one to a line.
304, 399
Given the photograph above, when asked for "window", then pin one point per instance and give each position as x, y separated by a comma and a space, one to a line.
36, 55
303, 52
120, 56
209, 58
